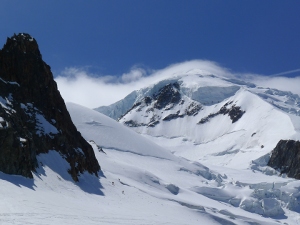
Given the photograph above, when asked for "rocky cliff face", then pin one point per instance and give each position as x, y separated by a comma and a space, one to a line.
33, 115
286, 158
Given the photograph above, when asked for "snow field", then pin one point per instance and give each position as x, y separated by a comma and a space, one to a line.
190, 184
144, 183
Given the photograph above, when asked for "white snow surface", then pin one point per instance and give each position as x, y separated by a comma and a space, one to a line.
143, 183
169, 174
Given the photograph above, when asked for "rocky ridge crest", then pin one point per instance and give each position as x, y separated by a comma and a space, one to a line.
33, 116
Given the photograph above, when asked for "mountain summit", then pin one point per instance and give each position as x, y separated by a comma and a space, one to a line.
33, 115
210, 118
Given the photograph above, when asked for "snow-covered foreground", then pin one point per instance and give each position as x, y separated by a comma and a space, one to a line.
143, 183
209, 193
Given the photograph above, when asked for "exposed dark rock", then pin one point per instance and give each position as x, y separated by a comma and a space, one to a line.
154, 121
173, 189
165, 99
207, 118
169, 94
286, 158
136, 105
147, 100
234, 112
131, 123
33, 114
153, 124
173, 116
193, 109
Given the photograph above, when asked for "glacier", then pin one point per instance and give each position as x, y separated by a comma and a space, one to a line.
178, 171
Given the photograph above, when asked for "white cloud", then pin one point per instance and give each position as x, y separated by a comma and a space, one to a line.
134, 75
281, 83
91, 90
77, 85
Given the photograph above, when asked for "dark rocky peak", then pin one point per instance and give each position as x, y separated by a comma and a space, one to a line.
147, 100
22, 44
286, 158
34, 118
169, 94
165, 98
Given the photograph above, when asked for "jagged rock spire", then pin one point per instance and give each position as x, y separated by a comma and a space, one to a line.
35, 116
23, 43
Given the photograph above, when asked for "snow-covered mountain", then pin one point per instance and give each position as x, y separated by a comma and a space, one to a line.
207, 90
195, 152
230, 127
211, 118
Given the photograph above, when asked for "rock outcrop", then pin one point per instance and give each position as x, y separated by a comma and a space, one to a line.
169, 100
286, 158
168, 95
33, 115
233, 111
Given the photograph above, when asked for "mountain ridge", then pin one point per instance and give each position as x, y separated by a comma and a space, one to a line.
207, 90
252, 116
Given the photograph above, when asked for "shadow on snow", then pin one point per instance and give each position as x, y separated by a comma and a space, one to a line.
53, 166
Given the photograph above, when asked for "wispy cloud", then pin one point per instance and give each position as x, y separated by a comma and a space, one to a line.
92, 90
279, 82
134, 74
285, 73
80, 86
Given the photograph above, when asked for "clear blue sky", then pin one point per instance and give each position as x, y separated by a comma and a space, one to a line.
259, 36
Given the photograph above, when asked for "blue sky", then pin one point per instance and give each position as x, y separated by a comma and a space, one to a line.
109, 37
121, 41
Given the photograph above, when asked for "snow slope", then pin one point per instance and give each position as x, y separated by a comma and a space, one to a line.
143, 183
209, 135
174, 179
